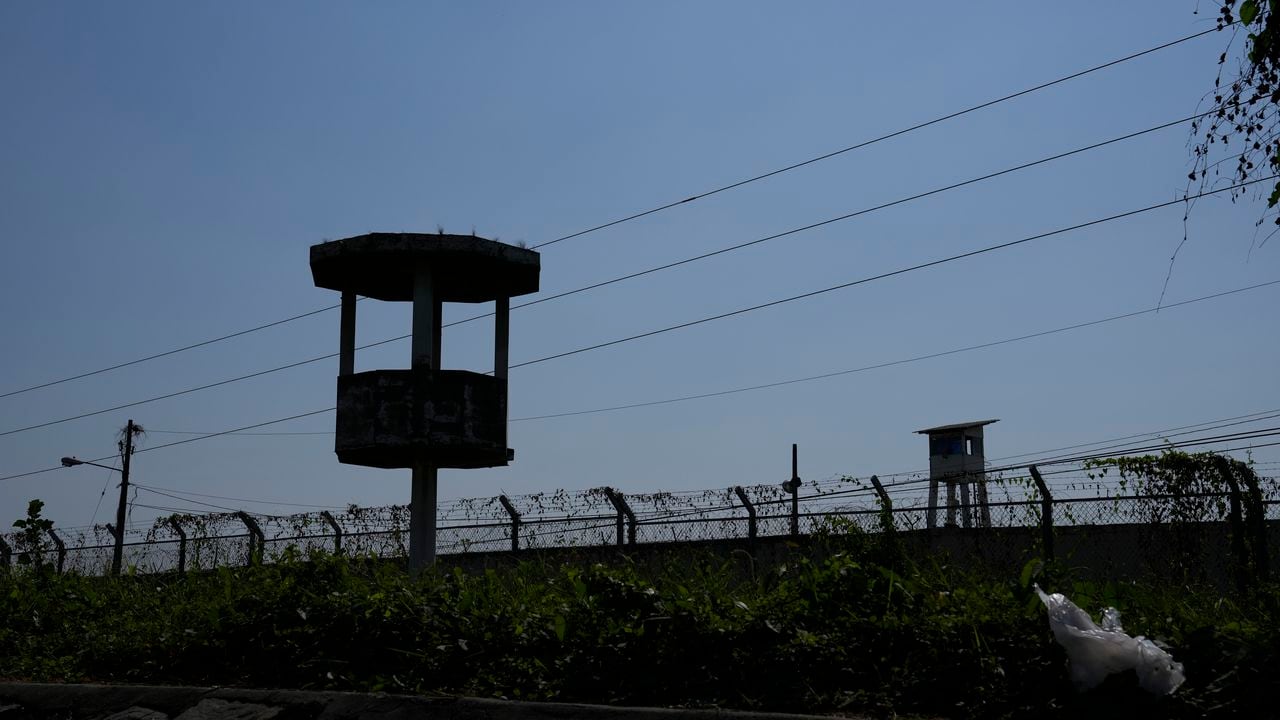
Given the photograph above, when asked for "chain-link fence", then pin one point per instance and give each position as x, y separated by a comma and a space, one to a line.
1186, 533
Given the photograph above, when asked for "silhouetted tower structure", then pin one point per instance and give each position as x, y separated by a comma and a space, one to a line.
424, 418
956, 458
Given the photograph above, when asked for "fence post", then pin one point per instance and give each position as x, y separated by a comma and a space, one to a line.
624, 510
793, 486
62, 549
337, 531
182, 543
751, 511
1046, 514
886, 506
1240, 557
6, 553
984, 507
257, 541
515, 521
1257, 520
111, 529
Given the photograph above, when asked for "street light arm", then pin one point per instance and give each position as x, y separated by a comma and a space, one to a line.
72, 462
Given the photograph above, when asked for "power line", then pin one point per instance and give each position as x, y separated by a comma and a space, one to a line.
810, 294
183, 499
1111, 452
1189, 432
865, 143
893, 363
1231, 437
154, 488
1268, 413
187, 391
178, 442
102, 495
877, 366
667, 206
1133, 450
1270, 432
233, 430
838, 218
667, 266
171, 509
1214, 424
882, 276
204, 432
777, 384
167, 353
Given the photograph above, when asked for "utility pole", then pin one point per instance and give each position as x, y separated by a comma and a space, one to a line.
126, 452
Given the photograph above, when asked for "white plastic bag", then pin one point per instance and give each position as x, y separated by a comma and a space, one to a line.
1096, 652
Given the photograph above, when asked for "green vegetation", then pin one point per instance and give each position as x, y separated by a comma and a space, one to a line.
1246, 101
848, 626
31, 545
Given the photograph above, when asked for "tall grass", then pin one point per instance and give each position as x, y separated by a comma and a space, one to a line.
858, 627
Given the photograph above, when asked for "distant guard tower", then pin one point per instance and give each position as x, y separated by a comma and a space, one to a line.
424, 418
956, 458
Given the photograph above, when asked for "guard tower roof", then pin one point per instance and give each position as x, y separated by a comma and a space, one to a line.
957, 426
466, 268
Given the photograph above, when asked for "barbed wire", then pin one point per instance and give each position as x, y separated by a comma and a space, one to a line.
588, 518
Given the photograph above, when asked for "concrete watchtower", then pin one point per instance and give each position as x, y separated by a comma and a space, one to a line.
956, 457
424, 418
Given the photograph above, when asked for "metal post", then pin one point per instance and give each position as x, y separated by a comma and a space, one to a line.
983, 505
624, 510
1257, 522
62, 549
117, 554
931, 516
515, 521
794, 486
886, 506
966, 510
1235, 520
1046, 513
257, 541
182, 543
885, 503
337, 531
347, 334
751, 511
422, 517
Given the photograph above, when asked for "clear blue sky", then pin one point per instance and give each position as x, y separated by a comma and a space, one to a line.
166, 167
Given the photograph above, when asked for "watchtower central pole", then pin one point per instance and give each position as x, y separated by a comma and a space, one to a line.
427, 327
422, 517
347, 337
425, 321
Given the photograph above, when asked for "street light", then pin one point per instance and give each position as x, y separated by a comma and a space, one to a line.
126, 452
72, 462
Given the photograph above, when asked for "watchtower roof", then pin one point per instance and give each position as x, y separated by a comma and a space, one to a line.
957, 426
465, 268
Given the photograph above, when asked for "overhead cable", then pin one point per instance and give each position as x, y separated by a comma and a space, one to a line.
660, 208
